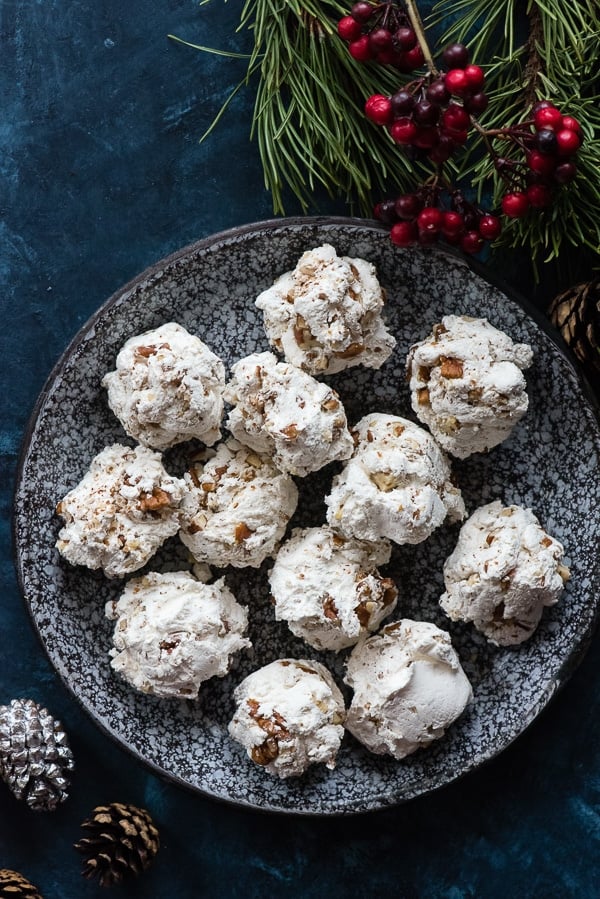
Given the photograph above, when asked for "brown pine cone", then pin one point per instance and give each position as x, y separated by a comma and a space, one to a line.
576, 314
13, 884
121, 841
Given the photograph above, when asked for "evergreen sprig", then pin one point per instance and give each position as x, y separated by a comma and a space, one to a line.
550, 53
312, 134
308, 116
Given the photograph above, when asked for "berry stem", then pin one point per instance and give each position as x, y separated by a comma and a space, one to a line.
417, 24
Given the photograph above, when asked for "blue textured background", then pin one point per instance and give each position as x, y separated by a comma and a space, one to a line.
101, 174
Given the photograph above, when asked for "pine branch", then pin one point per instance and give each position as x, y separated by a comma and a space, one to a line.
555, 58
308, 116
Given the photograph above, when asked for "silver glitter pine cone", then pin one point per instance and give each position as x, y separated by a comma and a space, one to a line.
576, 314
121, 841
14, 885
35, 757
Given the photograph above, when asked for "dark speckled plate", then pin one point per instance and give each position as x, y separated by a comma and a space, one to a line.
550, 463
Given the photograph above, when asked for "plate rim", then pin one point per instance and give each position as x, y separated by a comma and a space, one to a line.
379, 802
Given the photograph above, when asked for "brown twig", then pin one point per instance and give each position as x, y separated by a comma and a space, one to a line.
534, 63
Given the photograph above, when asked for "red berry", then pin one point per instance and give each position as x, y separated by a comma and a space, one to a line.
405, 38
443, 150
571, 124
455, 118
386, 212
426, 137
402, 102
361, 11
412, 59
408, 206
360, 49
403, 234
565, 172
349, 29
539, 196
453, 224
471, 242
490, 226
379, 109
475, 78
541, 104
379, 40
437, 92
541, 163
567, 142
476, 103
456, 56
515, 205
426, 112
457, 82
430, 220
403, 131
548, 117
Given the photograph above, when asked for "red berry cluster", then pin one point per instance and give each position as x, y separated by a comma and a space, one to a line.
424, 114
430, 214
549, 142
381, 33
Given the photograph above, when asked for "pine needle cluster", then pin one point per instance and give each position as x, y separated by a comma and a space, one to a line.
541, 50
312, 134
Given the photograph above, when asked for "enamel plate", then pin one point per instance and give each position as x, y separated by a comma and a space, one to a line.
550, 464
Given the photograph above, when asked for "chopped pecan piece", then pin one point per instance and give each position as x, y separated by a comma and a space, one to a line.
242, 532
354, 349
155, 501
169, 645
450, 367
424, 373
208, 486
266, 752
329, 608
490, 539
384, 480
398, 430
547, 541
390, 591
290, 431
438, 330
423, 396
475, 394
330, 404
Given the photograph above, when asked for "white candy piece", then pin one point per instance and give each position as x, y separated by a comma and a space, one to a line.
289, 715
325, 315
236, 507
283, 412
328, 589
467, 384
121, 512
397, 485
409, 687
173, 632
503, 572
167, 388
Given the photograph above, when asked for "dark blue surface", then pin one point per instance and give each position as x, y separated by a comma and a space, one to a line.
101, 174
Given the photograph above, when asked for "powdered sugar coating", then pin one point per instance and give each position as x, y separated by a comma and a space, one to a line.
174, 632
289, 716
284, 412
167, 388
325, 314
328, 589
467, 384
122, 510
504, 571
409, 687
397, 484
236, 507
